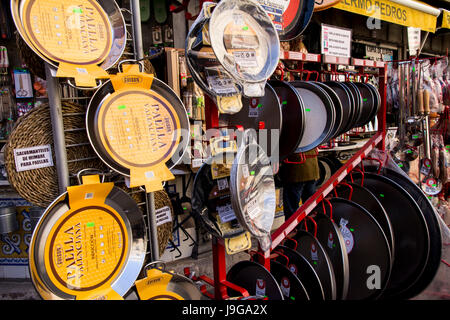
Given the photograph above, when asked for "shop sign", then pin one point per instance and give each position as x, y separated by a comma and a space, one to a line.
379, 54
391, 12
336, 41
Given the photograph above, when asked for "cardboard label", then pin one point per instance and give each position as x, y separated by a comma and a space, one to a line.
33, 158
238, 244
163, 215
245, 59
222, 85
226, 213
220, 170
69, 31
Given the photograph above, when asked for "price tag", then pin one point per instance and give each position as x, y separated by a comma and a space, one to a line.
253, 209
226, 213
222, 184
163, 215
245, 59
221, 85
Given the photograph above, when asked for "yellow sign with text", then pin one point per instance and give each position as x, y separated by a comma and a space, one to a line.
391, 12
445, 19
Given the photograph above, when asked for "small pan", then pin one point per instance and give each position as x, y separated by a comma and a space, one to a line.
293, 111
331, 238
289, 283
309, 247
411, 235
255, 279
300, 266
366, 245
319, 115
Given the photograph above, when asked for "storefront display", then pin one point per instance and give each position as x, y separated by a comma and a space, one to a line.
228, 150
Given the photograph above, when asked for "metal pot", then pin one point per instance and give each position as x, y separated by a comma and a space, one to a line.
8, 220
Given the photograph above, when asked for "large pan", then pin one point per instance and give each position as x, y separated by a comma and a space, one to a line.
115, 21
365, 198
333, 242
357, 100
300, 266
309, 247
428, 211
367, 246
368, 104
347, 102
290, 284
320, 115
411, 235
290, 17
293, 111
255, 279
338, 109
90, 243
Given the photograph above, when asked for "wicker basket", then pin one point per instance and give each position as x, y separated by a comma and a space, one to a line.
40, 186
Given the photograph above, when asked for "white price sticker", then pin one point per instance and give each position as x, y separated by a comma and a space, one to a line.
221, 85
252, 208
245, 59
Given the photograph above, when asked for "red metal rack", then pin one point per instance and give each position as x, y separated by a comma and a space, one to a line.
219, 282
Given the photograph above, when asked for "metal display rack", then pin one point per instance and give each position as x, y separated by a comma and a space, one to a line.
220, 284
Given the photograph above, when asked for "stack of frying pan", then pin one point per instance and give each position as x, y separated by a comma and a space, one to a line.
376, 237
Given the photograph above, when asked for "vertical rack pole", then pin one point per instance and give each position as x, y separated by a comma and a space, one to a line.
382, 83
59, 143
139, 55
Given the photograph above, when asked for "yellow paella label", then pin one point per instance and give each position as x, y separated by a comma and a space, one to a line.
70, 31
140, 130
238, 244
154, 286
86, 248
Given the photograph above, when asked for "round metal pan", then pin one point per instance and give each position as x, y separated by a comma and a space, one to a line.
206, 197
319, 115
338, 109
117, 24
368, 105
250, 276
310, 248
324, 171
377, 99
119, 204
293, 116
411, 235
332, 241
357, 100
300, 266
368, 201
366, 245
430, 215
347, 101
263, 115
93, 134
289, 283
290, 18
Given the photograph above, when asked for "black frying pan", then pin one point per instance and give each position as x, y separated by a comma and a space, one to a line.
357, 100
347, 102
366, 246
293, 115
261, 114
309, 247
411, 236
300, 266
368, 104
249, 275
319, 115
330, 237
377, 97
362, 196
338, 109
290, 285
430, 215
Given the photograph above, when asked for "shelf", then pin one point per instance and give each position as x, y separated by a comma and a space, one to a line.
300, 56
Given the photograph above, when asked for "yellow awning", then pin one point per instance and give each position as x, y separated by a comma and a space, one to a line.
445, 19
416, 14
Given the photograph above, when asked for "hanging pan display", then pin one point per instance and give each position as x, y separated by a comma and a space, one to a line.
263, 115
368, 106
138, 126
347, 102
309, 247
319, 115
162, 284
252, 190
80, 39
232, 49
357, 102
293, 116
300, 266
430, 215
90, 243
367, 246
411, 236
338, 110
290, 17
330, 236
325, 4
255, 279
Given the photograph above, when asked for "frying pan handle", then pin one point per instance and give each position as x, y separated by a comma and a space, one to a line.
377, 160
254, 252
315, 225
97, 171
70, 84
141, 64
293, 240
349, 186
329, 206
302, 160
277, 254
360, 171
155, 263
